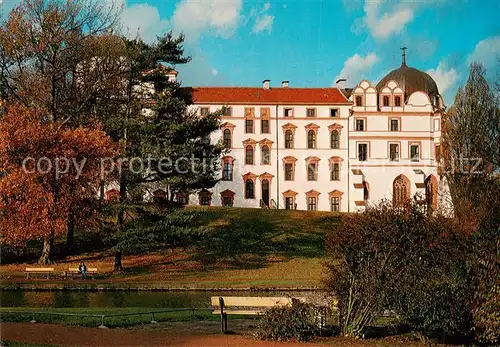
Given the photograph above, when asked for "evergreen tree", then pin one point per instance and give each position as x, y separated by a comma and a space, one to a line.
158, 131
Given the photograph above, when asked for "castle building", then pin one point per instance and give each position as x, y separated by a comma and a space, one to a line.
327, 149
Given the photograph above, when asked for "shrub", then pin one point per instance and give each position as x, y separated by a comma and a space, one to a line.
396, 258
283, 323
484, 263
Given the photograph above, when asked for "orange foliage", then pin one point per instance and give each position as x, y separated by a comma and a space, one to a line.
35, 202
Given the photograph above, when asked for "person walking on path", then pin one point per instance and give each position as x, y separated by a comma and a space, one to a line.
83, 270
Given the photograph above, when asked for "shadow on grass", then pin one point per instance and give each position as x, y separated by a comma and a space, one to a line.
252, 238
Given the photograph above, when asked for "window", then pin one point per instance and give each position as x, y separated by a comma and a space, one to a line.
414, 152
394, 124
437, 125
311, 203
204, 111
288, 172
264, 126
394, 152
248, 126
397, 101
205, 198
334, 112
249, 155
227, 201
385, 100
362, 151
265, 155
288, 112
334, 139
289, 205
227, 138
335, 204
228, 111
366, 191
227, 171
400, 190
183, 198
437, 152
335, 172
360, 125
359, 100
311, 139
312, 171
431, 192
249, 189
289, 139
311, 112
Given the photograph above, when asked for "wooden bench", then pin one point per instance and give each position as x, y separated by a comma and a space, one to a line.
39, 271
250, 305
74, 271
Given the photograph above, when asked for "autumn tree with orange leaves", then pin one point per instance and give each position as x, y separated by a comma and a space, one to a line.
45, 170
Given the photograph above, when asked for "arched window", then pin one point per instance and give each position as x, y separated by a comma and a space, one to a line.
249, 189
227, 169
227, 138
311, 139
335, 172
334, 139
289, 139
265, 155
249, 155
431, 192
400, 190
386, 100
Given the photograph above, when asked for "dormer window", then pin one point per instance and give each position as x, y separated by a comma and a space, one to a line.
385, 100
359, 100
397, 101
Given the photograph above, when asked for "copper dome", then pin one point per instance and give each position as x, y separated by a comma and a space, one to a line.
410, 80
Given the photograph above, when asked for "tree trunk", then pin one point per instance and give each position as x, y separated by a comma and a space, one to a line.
70, 236
45, 258
118, 262
121, 221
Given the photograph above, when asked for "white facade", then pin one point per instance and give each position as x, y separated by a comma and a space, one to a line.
387, 148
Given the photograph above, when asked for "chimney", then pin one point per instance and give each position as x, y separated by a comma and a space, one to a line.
341, 83
285, 84
266, 84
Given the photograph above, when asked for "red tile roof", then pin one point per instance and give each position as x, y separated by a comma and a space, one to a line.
248, 95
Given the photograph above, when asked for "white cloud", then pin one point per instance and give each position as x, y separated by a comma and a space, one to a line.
487, 52
384, 19
264, 23
383, 25
355, 68
194, 16
143, 20
215, 72
263, 20
444, 77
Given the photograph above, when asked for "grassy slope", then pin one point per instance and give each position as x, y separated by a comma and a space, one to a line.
243, 248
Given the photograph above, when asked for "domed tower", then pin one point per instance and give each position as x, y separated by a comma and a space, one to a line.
412, 80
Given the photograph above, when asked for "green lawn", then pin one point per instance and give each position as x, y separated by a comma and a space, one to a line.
242, 248
110, 321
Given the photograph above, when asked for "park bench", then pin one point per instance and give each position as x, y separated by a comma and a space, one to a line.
47, 271
72, 271
251, 306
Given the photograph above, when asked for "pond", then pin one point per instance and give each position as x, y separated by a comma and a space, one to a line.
184, 299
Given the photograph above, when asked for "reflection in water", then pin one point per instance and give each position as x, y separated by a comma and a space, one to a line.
121, 299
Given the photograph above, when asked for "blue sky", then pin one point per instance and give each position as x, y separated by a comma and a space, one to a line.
313, 42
